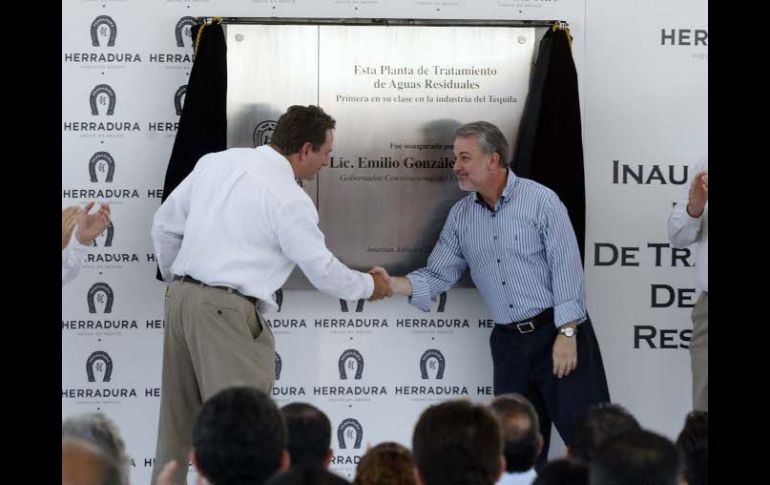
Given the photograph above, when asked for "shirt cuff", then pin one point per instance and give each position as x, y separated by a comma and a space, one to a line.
420, 291
567, 312
76, 246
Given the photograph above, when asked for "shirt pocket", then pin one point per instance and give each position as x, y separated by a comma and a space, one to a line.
525, 241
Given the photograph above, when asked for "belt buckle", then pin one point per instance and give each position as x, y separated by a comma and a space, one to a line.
529, 326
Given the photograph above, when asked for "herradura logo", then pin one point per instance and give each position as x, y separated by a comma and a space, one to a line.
183, 31
103, 26
100, 362
348, 429
99, 292
179, 99
432, 359
102, 95
101, 163
353, 359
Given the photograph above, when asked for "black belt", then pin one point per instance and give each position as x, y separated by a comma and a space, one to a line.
190, 279
531, 324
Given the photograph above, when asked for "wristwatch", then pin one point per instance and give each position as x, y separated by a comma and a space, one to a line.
568, 331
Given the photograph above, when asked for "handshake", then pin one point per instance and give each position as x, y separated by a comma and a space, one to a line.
382, 284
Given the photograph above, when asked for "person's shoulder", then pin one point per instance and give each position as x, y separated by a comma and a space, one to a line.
463, 205
532, 187
538, 192
464, 202
221, 159
336, 479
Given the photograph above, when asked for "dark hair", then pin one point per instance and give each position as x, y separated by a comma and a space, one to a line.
239, 437
388, 463
600, 423
693, 444
300, 125
521, 431
306, 474
310, 433
637, 457
561, 472
457, 442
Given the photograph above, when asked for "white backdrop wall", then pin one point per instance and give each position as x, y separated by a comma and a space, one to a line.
643, 81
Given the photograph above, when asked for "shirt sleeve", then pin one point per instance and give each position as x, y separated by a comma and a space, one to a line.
445, 265
72, 258
301, 240
563, 257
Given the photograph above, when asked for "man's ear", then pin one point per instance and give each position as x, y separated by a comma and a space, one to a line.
417, 476
503, 464
540, 445
305, 150
285, 460
494, 161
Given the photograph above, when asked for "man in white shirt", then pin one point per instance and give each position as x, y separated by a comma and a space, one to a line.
689, 224
226, 239
73, 248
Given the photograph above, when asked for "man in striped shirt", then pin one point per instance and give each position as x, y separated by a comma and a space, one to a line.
516, 238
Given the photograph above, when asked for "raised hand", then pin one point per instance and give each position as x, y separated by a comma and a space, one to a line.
91, 225
699, 194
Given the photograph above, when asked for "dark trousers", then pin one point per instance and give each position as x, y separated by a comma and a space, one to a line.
523, 363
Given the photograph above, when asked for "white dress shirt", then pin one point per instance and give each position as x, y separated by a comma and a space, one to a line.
684, 230
72, 258
240, 220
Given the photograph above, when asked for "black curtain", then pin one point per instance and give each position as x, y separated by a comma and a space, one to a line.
203, 123
550, 144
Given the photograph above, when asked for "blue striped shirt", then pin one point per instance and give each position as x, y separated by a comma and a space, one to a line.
523, 255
